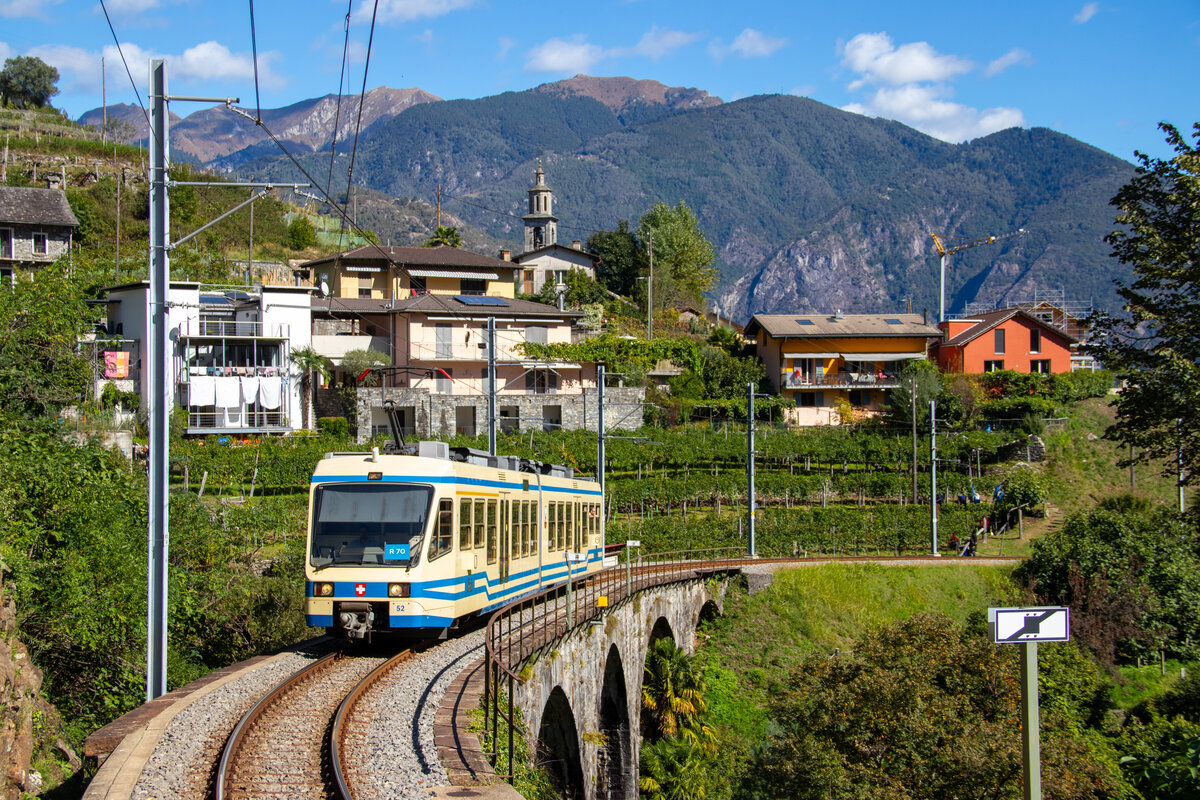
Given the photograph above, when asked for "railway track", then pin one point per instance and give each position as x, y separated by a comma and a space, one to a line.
291, 744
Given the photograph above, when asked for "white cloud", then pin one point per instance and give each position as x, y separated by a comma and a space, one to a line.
77, 68
1009, 59
128, 6
874, 56
747, 44
408, 10
572, 56
26, 8
912, 85
927, 109
503, 45
803, 90
5, 52
657, 43
1087, 12
425, 36
214, 61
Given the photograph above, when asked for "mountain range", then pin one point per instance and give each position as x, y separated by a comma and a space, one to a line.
812, 209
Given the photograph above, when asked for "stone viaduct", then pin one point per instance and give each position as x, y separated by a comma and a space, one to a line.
581, 701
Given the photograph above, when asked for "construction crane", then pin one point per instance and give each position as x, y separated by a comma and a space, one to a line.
945, 247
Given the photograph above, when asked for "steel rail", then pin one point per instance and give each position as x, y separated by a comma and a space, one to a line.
341, 719
234, 744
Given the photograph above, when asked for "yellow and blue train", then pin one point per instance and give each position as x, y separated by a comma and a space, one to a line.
416, 543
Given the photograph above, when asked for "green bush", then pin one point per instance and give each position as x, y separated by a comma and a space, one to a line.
334, 426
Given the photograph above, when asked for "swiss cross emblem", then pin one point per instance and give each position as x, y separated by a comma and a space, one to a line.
360, 589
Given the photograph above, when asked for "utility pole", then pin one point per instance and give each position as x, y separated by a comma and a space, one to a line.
933, 478
103, 102
1179, 460
160, 390
600, 429
750, 467
491, 406
250, 254
650, 292
439, 207
912, 384
160, 377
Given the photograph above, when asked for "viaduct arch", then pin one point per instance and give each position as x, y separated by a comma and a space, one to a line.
582, 700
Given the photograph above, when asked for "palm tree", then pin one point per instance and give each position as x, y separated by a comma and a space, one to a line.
444, 236
309, 362
672, 694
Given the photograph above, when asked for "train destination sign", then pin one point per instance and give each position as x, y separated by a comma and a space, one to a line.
1026, 625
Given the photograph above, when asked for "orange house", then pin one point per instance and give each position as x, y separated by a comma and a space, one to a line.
1006, 339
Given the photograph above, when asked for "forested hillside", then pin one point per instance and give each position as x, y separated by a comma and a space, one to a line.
811, 208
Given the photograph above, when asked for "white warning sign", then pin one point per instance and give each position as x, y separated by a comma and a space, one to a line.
1039, 624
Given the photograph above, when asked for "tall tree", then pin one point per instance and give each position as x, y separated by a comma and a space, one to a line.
310, 363
27, 81
1156, 348
621, 258
41, 367
683, 255
444, 236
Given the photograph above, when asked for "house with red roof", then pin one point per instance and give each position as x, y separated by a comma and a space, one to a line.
1009, 338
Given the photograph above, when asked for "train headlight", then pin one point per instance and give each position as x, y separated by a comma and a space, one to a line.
397, 590
323, 590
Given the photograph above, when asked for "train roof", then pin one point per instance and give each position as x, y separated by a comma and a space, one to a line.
442, 458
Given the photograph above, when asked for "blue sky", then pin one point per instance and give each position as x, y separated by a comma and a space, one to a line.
1103, 72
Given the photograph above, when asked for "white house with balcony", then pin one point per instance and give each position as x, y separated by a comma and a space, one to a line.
231, 349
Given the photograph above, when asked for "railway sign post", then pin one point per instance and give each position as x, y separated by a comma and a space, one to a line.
1028, 626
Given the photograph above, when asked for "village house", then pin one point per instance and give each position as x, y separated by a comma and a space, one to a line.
36, 227
817, 360
1008, 338
231, 353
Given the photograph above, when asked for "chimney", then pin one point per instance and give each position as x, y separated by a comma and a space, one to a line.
577, 244
506, 255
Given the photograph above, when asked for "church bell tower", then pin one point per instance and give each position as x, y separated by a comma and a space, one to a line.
541, 226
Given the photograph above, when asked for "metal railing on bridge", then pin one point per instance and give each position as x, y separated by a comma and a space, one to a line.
526, 628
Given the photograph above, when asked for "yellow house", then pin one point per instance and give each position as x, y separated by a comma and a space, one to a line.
382, 272
819, 359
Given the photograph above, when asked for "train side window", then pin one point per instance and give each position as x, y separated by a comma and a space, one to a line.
533, 528
571, 543
492, 533
464, 524
523, 528
551, 525
479, 523
562, 526
443, 538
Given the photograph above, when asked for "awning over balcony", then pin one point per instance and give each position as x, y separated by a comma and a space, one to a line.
554, 365
881, 356
363, 269
452, 273
811, 355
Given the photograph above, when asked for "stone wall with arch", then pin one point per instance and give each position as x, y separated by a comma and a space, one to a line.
590, 673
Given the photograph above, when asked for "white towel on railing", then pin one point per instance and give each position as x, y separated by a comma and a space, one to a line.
228, 392
270, 392
250, 389
202, 391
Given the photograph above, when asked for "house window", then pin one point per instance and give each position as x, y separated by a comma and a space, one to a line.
806, 399
541, 381
417, 285
473, 286
993, 366
1035, 341
6, 243
364, 292
39, 244
860, 397
1041, 365
999, 341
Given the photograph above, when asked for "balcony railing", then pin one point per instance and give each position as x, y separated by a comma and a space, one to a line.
422, 351
237, 419
842, 380
230, 329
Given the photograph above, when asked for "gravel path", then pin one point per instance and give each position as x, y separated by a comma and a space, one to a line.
184, 761
393, 752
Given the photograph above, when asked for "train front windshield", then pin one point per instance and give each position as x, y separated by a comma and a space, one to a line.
368, 523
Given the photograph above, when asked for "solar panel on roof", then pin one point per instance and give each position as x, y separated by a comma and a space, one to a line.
471, 300
804, 322
893, 322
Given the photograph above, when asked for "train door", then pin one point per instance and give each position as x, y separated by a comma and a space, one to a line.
505, 534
